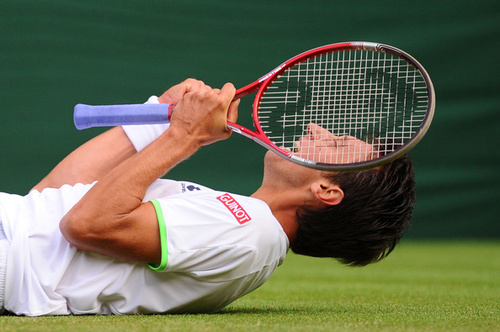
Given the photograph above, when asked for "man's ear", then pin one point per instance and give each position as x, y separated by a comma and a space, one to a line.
327, 193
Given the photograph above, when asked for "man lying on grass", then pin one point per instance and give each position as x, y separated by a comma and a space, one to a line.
103, 234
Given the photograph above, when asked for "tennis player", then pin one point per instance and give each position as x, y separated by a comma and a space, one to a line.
103, 234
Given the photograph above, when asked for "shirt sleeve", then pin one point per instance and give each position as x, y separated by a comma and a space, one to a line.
205, 240
163, 238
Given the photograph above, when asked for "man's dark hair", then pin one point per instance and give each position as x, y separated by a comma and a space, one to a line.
366, 226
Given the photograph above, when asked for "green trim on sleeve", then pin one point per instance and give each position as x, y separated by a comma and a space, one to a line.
163, 238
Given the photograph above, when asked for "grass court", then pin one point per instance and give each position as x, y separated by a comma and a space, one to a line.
421, 286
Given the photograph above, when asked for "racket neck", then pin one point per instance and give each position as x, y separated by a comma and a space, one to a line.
246, 90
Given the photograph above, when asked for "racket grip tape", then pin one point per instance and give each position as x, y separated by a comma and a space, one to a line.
88, 116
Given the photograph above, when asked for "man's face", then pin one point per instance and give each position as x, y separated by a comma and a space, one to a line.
322, 146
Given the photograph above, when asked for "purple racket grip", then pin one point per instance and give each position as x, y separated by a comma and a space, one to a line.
88, 116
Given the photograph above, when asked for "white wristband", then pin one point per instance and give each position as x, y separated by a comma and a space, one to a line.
142, 135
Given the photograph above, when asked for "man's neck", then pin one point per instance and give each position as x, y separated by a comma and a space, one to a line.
283, 206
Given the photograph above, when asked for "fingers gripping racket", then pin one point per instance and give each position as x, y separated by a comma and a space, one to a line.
339, 107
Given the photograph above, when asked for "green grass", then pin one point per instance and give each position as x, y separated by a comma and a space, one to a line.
422, 286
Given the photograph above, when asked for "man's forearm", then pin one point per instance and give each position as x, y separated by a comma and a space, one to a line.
91, 161
111, 218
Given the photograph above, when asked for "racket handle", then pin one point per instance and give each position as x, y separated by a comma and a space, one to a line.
88, 116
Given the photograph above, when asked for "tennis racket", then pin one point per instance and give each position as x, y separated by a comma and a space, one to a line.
339, 107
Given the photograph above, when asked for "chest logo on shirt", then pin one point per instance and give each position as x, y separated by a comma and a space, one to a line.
189, 188
235, 208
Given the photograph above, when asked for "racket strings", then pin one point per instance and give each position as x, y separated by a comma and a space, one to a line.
344, 107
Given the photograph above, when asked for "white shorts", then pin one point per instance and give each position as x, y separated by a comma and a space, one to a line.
4, 250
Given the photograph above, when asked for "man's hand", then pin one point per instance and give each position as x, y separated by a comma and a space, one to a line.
175, 94
201, 113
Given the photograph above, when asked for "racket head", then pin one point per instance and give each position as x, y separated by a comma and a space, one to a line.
372, 102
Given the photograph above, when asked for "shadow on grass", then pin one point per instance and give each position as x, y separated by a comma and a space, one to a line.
281, 310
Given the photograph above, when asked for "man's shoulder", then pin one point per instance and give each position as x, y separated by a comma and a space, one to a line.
201, 206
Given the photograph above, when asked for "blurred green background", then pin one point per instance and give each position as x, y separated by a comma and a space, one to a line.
54, 54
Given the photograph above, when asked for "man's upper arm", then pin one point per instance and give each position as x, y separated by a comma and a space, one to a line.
133, 237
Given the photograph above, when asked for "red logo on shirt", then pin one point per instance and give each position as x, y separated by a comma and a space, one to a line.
235, 208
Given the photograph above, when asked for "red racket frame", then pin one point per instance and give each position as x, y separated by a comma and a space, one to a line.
262, 84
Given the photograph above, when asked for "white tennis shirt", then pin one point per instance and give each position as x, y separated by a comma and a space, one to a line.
217, 247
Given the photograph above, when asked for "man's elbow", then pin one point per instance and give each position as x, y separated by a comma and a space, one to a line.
74, 230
